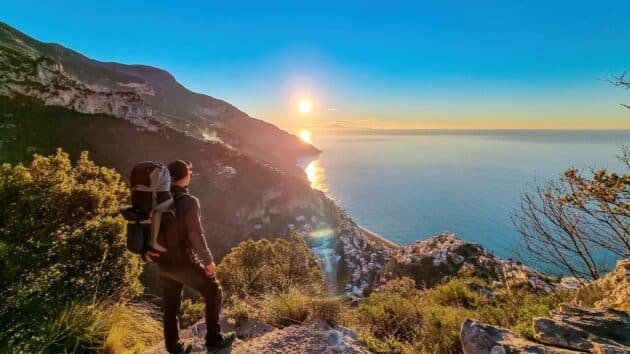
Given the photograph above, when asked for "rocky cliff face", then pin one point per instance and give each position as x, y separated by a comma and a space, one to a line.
602, 327
439, 258
44, 79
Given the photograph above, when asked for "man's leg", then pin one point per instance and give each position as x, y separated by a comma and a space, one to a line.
194, 277
212, 296
172, 294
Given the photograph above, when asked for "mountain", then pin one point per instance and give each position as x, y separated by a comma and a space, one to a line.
245, 172
144, 95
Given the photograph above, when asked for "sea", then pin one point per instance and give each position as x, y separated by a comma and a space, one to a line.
411, 184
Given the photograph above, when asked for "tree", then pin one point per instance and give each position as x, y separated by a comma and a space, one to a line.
620, 80
61, 241
568, 222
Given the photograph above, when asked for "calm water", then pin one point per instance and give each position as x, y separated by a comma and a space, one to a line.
410, 185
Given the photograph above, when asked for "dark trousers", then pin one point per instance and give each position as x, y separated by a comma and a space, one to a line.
173, 277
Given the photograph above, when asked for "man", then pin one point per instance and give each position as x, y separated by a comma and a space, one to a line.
188, 262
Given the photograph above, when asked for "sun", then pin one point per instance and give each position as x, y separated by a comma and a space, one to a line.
305, 106
305, 135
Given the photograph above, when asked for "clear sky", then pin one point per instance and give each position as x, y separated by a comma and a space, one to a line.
387, 64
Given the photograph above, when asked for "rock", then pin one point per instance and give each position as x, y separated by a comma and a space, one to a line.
560, 334
346, 331
480, 338
612, 290
572, 283
445, 256
579, 325
244, 329
252, 328
335, 338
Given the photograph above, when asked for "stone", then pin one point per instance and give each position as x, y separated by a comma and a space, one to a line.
605, 325
559, 334
572, 283
481, 338
334, 338
347, 332
253, 328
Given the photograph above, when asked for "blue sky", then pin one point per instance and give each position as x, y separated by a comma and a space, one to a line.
390, 64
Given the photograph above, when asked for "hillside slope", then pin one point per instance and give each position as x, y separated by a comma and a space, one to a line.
144, 95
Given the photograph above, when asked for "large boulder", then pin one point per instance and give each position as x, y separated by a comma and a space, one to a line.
481, 338
592, 330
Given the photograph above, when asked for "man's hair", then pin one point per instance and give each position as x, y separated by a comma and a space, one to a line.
179, 169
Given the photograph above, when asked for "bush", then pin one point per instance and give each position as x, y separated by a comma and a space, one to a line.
132, 328
256, 268
388, 345
77, 328
285, 308
191, 312
101, 327
395, 311
66, 240
332, 310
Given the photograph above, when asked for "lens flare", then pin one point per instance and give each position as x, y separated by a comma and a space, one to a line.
322, 233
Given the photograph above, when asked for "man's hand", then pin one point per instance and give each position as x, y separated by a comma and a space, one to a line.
210, 269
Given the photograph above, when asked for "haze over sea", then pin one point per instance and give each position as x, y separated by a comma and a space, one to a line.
409, 185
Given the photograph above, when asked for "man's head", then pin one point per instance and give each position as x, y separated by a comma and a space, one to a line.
181, 172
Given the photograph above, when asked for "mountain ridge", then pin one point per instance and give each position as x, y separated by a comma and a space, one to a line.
171, 103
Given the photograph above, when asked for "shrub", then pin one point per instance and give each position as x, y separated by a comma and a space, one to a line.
331, 310
66, 240
132, 328
77, 328
388, 345
285, 308
394, 311
101, 327
255, 268
516, 309
243, 310
191, 312
439, 332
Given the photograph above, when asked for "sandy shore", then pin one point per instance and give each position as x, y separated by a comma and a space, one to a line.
380, 239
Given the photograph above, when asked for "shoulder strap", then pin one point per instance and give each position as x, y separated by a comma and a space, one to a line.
179, 196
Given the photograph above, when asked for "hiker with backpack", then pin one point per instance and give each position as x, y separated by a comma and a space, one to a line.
183, 257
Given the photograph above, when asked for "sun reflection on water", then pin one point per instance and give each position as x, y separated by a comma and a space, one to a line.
316, 176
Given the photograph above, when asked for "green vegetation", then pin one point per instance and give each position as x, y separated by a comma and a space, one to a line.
191, 312
63, 261
399, 318
255, 268
277, 282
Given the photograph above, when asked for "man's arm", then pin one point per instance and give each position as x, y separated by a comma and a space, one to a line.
196, 238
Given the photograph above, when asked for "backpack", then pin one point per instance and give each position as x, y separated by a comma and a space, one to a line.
150, 198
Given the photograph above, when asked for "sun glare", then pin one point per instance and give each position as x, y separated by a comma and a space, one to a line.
305, 106
305, 135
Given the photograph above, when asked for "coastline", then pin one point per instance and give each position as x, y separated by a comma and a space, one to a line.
391, 245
